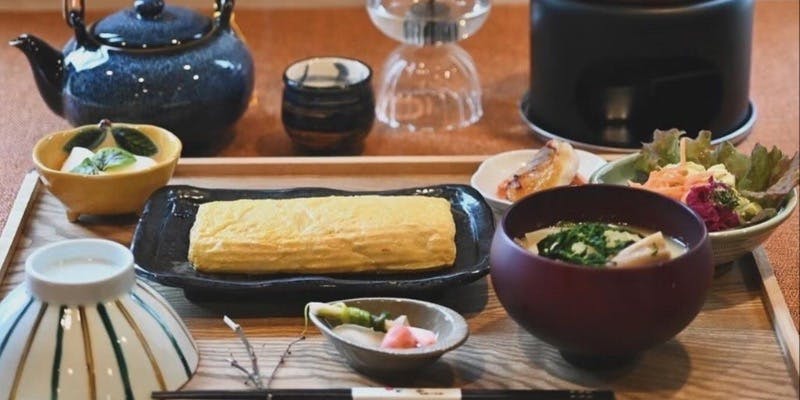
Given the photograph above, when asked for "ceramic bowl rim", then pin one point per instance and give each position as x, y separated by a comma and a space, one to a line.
292, 83
690, 252
169, 158
451, 342
120, 280
768, 224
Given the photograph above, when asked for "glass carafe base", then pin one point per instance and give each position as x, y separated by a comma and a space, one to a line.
429, 88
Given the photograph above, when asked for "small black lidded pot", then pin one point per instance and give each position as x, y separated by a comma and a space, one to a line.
328, 105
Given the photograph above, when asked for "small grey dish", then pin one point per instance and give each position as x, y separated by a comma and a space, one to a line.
450, 326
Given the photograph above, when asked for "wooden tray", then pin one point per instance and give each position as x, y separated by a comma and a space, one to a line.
742, 345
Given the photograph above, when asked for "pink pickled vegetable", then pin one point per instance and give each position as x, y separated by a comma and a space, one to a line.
407, 337
424, 337
399, 337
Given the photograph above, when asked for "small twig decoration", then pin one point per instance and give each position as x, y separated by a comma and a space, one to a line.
254, 376
285, 354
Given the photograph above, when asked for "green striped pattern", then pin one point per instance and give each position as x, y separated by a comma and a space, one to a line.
16, 320
14, 325
164, 327
27, 349
112, 335
57, 358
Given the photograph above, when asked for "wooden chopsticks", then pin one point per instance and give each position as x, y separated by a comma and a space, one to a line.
347, 394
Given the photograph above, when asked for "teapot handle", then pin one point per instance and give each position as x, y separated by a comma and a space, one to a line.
74, 16
224, 10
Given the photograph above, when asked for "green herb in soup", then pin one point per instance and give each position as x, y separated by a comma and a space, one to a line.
599, 244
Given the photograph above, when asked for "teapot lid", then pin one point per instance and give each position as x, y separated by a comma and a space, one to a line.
151, 24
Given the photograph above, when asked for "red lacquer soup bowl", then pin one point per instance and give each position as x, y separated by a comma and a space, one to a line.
601, 313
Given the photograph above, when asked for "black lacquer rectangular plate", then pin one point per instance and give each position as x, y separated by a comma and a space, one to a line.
161, 244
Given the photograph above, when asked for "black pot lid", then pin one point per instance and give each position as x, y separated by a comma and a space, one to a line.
151, 24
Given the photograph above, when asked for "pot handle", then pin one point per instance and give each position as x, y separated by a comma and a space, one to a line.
74, 16
224, 10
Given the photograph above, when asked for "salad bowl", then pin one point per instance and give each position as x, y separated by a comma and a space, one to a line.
728, 245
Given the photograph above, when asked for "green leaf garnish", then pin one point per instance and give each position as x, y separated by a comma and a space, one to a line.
726, 197
89, 138
110, 158
585, 243
86, 167
134, 141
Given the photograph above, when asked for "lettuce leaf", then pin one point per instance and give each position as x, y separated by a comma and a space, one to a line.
663, 150
765, 176
766, 168
734, 161
700, 150
775, 195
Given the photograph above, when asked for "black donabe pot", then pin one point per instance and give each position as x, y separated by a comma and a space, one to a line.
609, 72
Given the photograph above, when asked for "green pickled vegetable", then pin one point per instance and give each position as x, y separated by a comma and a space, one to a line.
344, 314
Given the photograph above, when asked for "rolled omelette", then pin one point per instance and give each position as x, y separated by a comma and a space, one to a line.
323, 235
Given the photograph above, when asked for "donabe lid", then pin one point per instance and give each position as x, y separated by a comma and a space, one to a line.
151, 24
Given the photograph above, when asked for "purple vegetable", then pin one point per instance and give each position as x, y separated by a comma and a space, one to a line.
715, 202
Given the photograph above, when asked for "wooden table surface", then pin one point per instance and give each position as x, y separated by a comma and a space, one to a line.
730, 350
500, 49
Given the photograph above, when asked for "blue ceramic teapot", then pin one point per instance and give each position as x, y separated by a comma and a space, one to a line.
153, 63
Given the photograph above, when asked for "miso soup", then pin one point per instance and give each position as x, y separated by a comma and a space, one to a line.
600, 244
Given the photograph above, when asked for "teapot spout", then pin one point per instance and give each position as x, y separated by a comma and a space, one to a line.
47, 64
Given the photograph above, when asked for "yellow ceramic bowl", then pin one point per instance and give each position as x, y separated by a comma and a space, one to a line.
119, 193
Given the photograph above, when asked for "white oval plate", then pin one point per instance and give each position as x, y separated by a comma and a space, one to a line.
497, 168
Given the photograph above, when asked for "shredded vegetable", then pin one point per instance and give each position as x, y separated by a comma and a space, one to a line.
674, 182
